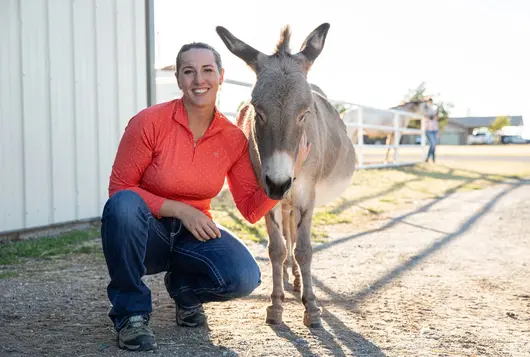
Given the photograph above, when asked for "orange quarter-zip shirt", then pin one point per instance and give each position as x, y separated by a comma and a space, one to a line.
158, 160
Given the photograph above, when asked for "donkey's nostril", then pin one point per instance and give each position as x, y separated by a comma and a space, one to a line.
277, 190
268, 181
287, 185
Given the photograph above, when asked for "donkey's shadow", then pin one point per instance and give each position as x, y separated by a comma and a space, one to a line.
352, 342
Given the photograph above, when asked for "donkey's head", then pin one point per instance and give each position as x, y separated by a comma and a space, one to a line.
282, 101
419, 106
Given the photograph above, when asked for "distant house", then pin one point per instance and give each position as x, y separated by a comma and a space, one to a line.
457, 129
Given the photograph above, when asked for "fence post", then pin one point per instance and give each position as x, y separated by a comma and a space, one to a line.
360, 138
397, 136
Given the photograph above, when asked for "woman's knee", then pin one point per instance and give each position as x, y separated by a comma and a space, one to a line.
125, 211
243, 278
242, 285
124, 204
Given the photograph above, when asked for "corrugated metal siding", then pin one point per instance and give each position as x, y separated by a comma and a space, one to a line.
73, 72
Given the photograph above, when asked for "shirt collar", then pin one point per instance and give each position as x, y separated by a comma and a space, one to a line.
181, 116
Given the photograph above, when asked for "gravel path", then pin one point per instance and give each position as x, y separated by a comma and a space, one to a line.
450, 278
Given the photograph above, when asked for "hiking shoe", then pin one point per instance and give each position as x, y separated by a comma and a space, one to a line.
190, 317
136, 335
194, 317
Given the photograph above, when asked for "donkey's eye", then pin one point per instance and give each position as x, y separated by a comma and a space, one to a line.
302, 117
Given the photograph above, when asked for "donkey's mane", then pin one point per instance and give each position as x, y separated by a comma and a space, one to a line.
282, 47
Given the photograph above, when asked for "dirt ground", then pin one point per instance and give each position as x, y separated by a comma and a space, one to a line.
447, 278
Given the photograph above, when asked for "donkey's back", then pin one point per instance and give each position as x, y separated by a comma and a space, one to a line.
332, 162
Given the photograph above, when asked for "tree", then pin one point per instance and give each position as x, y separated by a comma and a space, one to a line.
341, 108
499, 123
417, 93
442, 108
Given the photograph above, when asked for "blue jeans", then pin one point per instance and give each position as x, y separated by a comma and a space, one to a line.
135, 244
431, 135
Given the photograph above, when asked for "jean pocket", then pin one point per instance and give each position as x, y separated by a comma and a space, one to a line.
176, 226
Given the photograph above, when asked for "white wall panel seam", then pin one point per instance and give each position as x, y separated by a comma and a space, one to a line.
96, 109
51, 195
135, 65
22, 118
74, 117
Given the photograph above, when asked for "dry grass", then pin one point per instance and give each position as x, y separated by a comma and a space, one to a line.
376, 192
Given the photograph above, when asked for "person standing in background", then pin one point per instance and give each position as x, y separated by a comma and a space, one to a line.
431, 130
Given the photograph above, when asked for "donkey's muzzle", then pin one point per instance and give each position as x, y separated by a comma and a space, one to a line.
276, 190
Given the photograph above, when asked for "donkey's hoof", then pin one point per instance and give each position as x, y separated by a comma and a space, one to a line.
274, 315
312, 320
273, 322
297, 285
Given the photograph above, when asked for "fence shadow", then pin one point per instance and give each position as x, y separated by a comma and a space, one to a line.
418, 258
392, 222
350, 203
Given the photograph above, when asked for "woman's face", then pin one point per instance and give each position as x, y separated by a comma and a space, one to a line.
199, 78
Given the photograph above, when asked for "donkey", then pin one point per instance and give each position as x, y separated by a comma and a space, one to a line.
283, 107
375, 117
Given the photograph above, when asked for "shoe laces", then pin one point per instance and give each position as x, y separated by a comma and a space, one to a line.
137, 322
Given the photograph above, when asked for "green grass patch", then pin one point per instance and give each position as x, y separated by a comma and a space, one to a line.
324, 218
7, 275
46, 247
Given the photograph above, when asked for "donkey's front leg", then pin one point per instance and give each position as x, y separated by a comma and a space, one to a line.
277, 255
389, 141
304, 254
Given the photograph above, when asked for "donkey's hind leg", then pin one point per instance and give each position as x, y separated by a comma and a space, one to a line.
286, 230
297, 283
289, 233
277, 255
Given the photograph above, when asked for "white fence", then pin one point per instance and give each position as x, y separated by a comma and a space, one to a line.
364, 121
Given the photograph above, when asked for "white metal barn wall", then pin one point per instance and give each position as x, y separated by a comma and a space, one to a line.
73, 72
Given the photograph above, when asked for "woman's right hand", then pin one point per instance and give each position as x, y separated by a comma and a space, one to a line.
199, 224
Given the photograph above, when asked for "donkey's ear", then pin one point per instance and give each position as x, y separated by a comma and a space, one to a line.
247, 53
313, 45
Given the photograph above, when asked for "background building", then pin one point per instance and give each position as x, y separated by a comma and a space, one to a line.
457, 129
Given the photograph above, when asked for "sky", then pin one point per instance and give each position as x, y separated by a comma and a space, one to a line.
474, 54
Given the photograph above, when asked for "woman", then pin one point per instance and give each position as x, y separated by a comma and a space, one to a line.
172, 160
431, 130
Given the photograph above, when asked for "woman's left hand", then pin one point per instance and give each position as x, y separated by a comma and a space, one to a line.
303, 151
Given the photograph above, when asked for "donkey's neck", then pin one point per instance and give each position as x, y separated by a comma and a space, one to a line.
407, 107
